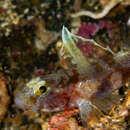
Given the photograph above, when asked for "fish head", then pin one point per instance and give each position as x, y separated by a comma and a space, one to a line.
41, 94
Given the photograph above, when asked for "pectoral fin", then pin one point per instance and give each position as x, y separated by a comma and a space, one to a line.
106, 103
88, 112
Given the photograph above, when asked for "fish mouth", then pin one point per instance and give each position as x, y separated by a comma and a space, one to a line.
51, 110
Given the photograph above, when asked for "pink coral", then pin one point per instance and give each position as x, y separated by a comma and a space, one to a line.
108, 25
86, 48
61, 120
91, 29
86, 31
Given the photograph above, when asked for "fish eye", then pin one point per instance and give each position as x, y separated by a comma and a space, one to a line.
38, 87
43, 89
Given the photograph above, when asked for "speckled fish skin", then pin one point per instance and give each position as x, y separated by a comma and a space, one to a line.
66, 96
68, 91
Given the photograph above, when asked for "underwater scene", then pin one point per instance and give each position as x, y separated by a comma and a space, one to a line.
64, 64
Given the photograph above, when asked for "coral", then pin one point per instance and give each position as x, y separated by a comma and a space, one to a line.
90, 30
44, 84
5, 99
57, 11
43, 36
8, 17
64, 121
14, 14
101, 14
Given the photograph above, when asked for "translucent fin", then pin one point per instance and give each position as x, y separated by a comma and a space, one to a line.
70, 46
106, 103
105, 97
83, 64
88, 112
123, 59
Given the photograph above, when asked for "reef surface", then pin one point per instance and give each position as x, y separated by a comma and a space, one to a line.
65, 65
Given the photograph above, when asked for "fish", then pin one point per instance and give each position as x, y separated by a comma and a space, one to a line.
86, 83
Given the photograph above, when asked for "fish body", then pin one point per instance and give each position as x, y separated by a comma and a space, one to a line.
86, 87
65, 96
